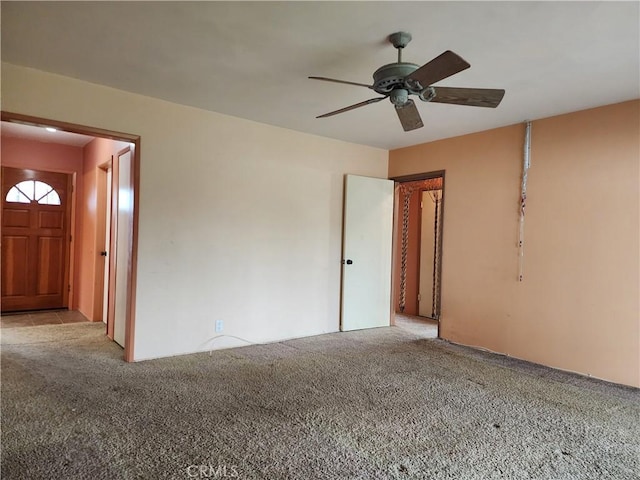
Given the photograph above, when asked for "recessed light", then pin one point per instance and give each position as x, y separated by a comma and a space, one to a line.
50, 129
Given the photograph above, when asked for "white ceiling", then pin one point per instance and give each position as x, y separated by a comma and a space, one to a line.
252, 59
39, 134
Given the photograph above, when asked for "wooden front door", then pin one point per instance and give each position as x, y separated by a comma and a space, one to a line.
36, 215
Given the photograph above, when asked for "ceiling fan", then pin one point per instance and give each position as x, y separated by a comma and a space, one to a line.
397, 81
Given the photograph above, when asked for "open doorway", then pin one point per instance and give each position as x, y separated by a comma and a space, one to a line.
90, 289
418, 251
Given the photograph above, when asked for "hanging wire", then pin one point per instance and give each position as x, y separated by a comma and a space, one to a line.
526, 163
406, 191
436, 196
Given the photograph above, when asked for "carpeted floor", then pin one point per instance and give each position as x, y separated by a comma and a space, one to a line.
376, 404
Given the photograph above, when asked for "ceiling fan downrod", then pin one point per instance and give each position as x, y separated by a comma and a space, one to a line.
392, 76
400, 40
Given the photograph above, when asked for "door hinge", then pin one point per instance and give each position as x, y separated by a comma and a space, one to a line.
71, 238
421, 204
419, 297
69, 289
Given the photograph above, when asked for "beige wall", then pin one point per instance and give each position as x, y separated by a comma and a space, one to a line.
578, 306
239, 221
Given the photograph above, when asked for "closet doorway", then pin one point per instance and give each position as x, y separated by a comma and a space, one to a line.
418, 240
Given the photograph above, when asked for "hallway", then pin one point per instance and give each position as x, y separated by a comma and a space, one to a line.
46, 317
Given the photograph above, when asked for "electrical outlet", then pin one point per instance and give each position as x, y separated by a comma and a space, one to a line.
219, 326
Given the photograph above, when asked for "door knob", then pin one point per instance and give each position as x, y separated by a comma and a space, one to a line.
349, 262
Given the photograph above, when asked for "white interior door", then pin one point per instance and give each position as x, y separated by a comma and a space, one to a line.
123, 249
366, 253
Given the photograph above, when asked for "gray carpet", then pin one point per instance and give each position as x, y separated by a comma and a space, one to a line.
377, 404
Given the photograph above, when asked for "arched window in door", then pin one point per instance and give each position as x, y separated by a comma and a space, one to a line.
33, 190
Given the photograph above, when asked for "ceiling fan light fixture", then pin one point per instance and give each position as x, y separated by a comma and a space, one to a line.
399, 97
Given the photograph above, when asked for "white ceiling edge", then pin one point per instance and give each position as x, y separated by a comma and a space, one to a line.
40, 134
251, 59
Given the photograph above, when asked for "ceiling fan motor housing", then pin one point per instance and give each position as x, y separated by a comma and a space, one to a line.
392, 76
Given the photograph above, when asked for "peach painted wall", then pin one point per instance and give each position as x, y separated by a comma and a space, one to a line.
24, 153
578, 306
96, 153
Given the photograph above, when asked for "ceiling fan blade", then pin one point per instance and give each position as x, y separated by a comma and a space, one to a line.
352, 107
409, 116
325, 79
474, 97
441, 67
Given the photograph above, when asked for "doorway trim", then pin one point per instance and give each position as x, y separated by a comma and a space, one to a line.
396, 228
113, 135
103, 217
